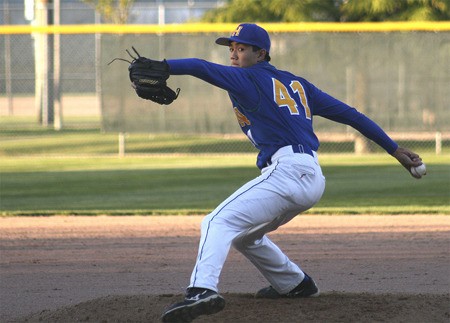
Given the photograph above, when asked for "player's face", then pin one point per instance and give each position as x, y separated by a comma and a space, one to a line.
242, 55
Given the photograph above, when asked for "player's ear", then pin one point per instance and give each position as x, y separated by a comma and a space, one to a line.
262, 55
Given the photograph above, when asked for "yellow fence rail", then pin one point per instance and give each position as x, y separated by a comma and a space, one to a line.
434, 26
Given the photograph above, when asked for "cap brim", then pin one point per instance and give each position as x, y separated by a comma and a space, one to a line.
225, 41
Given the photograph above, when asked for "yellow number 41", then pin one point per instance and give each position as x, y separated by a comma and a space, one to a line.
283, 99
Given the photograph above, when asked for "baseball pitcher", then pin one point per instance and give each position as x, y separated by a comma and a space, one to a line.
275, 109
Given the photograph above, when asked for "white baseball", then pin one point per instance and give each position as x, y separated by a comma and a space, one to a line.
419, 171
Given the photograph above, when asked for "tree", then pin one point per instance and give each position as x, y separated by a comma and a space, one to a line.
274, 11
329, 10
388, 10
305, 10
112, 11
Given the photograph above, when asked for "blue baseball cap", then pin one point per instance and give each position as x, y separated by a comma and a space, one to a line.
249, 34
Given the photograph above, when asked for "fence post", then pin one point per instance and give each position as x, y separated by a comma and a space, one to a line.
121, 144
438, 139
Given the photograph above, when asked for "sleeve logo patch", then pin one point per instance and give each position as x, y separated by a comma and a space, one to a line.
242, 119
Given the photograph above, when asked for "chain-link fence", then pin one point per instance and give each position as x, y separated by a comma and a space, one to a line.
399, 79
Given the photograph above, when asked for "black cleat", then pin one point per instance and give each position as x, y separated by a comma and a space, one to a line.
198, 301
307, 288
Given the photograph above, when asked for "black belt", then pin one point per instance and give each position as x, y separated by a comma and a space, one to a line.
300, 149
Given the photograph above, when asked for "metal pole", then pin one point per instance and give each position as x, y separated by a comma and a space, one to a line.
58, 120
44, 65
50, 66
8, 75
98, 74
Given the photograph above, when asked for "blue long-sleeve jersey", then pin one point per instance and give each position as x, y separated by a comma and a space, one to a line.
275, 108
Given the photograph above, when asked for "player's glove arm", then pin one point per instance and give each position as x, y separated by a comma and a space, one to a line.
149, 78
228, 78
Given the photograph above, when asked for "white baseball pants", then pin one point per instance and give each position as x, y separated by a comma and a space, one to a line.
292, 184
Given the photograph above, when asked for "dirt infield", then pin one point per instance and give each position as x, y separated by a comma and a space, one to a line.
127, 269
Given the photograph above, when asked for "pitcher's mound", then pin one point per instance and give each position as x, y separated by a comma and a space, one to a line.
329, 307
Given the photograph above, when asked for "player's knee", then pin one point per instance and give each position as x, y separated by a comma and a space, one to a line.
243, 242
237, 243
214, 223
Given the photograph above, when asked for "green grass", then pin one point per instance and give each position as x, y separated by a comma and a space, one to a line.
195, 184
21, 136
77, 171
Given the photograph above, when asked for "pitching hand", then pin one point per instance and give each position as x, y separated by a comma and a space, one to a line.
407, 158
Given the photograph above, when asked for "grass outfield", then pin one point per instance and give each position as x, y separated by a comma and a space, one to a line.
195, 184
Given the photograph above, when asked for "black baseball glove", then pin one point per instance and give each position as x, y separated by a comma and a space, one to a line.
149, 78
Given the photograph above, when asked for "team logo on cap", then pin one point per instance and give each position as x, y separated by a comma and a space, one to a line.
237, 31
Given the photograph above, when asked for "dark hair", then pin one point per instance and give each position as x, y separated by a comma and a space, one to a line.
266, 58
